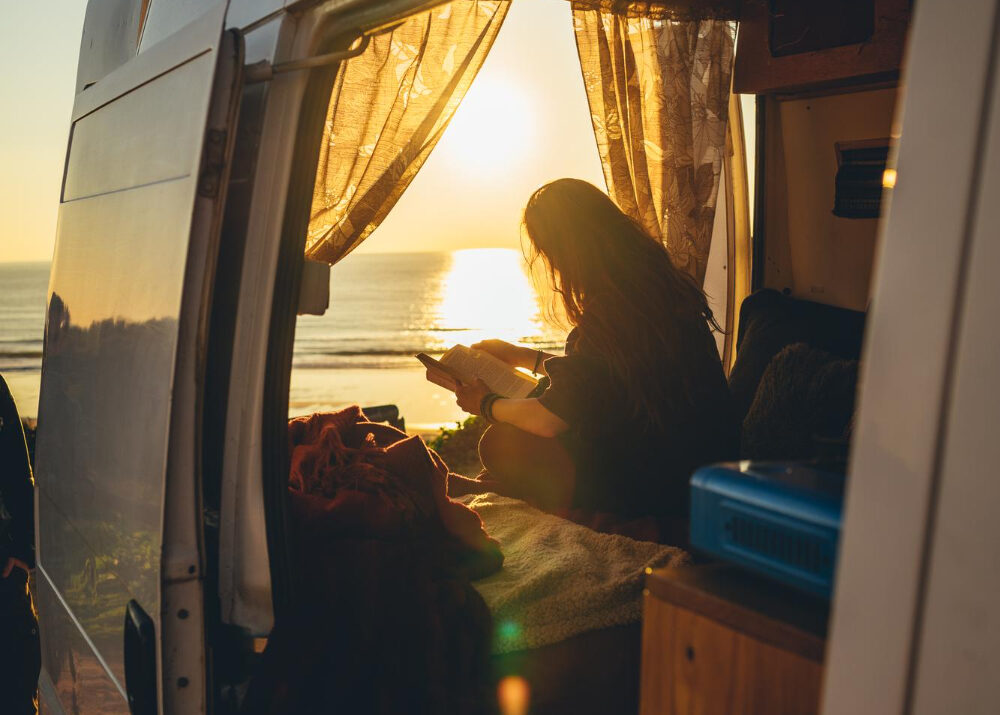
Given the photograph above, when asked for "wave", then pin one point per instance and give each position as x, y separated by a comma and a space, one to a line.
407, 350
376, 352
304, 354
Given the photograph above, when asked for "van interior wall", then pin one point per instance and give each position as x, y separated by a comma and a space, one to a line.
810, 252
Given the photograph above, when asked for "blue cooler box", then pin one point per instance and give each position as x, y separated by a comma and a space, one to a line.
779, 519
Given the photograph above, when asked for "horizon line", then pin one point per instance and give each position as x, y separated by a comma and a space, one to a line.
28, 261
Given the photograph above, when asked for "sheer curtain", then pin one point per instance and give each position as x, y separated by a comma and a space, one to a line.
387, 110
658, 83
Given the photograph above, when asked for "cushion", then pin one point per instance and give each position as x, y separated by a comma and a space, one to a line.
803, 408
770, 321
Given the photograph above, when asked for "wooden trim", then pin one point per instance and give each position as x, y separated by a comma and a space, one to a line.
767, 612
756, 71
683, 10
692, 664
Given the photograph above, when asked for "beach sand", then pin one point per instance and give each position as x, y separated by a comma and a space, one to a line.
424, 406
24, 388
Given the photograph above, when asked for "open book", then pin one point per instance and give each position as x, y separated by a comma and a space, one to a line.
463, 364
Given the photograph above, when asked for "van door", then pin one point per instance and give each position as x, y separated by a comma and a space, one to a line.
117, 497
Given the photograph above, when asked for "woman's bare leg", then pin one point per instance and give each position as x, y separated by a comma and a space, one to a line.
536, 469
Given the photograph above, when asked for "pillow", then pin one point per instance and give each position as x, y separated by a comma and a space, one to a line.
769, 321
803, 406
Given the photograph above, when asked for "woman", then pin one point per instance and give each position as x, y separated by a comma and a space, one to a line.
639, 400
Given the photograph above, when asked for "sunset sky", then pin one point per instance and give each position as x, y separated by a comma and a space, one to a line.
39, 46
524, 122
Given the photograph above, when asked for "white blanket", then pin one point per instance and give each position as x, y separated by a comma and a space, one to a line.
559, 578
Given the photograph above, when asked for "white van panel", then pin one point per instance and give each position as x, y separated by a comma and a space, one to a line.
905, 365
104, 158
110, 39
244, 567
165, 17
959, 633
105, 404
111, 344
69, 683
243, 13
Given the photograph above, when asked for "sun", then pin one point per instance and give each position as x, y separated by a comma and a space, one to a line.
487, 294
492, 130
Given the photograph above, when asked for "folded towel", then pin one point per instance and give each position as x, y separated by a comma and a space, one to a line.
559, 578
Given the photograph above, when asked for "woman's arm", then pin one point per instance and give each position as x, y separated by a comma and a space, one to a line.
528, 414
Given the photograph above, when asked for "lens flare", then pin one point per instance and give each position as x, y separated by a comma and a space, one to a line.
508, 631
513, 695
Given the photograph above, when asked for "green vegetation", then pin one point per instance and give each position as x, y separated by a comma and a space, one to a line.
113, 567
458, 446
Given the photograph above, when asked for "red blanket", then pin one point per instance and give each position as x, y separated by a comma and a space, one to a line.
385, 618
371, 479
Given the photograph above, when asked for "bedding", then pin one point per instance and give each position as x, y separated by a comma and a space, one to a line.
770, 321
384, 619
803, 408
559, 579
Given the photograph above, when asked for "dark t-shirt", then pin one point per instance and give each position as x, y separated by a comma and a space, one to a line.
17, 512
624, 466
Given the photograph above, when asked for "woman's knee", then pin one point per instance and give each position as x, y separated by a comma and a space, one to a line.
496, 446
530, 467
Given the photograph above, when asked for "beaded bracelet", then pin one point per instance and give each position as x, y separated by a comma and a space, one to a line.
486, 406
490, 405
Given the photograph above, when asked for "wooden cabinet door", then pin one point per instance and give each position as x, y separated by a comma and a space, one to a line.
692, 665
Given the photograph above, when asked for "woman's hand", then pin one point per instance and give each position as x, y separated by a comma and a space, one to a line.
513, 355
469, 397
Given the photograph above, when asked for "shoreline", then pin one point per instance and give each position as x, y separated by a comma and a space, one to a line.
426, 407
461, 452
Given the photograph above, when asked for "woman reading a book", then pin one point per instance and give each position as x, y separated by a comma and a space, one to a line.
638, 401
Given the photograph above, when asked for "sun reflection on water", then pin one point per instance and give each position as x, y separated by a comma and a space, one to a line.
487, 293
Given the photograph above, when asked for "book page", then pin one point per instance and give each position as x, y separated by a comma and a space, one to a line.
501, 377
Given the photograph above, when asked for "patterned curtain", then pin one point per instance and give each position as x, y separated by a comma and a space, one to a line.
388, 109
658, 84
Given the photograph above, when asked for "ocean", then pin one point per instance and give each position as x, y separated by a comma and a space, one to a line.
384, 308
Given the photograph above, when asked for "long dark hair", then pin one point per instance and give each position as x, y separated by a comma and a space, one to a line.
622, 291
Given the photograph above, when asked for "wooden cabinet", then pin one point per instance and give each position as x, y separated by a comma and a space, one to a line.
774, 53
716, 640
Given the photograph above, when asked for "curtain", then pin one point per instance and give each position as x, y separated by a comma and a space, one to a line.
658, 84
387, 110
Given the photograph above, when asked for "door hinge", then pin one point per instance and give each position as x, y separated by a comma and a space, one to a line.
213, 164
